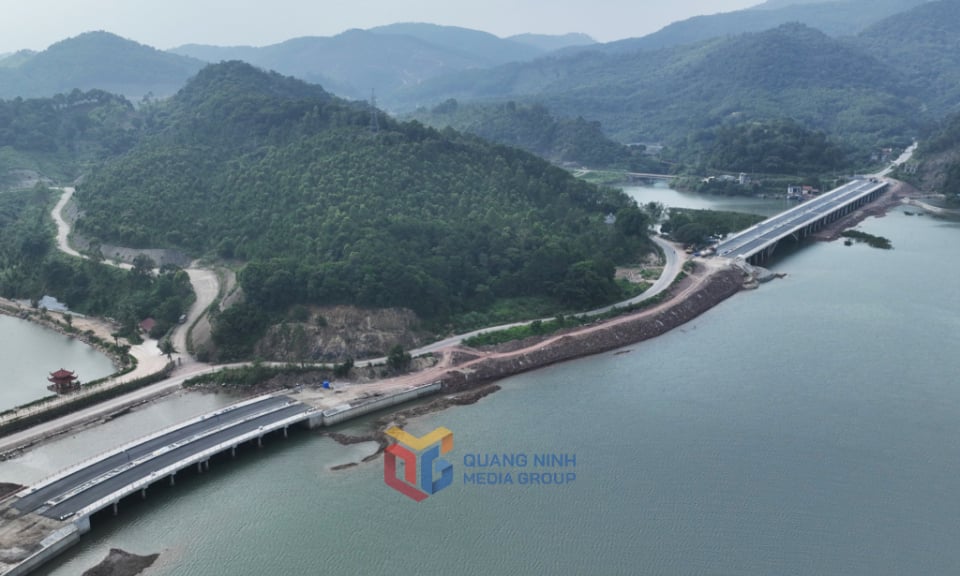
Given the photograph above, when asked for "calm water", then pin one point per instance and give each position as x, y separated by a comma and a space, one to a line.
29, 353
676, 199
809, 427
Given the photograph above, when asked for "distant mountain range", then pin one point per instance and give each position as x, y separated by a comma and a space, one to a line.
834, 18
893, 78
95, 60
848, 67
790, 71
351, 64
386, 59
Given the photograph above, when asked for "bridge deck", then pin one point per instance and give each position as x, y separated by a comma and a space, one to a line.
114, 474
770, 231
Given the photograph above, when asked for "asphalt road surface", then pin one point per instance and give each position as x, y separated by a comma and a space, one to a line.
37, 498
115, 482
757, 237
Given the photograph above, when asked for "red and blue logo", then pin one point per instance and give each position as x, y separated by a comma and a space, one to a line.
413, 467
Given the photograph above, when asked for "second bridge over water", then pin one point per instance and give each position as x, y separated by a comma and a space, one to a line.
757, 243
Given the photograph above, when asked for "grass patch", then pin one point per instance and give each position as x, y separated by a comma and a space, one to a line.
540, 328
535, 328
870, 239
249, 376
504, 311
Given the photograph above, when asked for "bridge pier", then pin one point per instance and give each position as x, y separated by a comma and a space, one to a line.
173, 479
285, 431
116, 508
143, 493
259, 441
233, 451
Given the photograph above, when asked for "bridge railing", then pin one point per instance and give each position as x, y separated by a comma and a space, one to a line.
184, 463
103, 455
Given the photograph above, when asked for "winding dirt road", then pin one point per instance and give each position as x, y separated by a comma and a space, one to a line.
205, 283
206, 286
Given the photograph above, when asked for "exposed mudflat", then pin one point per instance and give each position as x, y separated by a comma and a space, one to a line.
121, 563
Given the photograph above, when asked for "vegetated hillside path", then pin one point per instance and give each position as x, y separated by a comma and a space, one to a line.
149, 358
205, 283
206, 286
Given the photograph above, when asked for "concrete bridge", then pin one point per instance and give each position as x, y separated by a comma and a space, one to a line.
52, 515
47, 518
649, 176
757, 243
83, 490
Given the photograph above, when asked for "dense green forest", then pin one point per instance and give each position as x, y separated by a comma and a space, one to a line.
772, 147
277, 173
696, 226
65, 134
939, 166
31, 266
924, 47
533, 128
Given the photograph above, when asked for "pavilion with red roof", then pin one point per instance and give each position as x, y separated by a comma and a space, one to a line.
63, 381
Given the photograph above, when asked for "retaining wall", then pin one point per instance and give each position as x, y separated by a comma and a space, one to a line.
50, 547
346, 412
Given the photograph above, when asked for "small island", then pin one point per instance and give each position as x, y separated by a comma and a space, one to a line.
870, 239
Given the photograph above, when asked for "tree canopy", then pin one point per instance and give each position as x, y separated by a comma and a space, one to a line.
277, 173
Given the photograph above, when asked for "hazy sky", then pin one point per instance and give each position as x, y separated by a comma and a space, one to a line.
36, 24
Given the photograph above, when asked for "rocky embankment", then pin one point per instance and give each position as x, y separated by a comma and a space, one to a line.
613, 334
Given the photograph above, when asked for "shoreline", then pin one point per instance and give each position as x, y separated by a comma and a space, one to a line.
461, 368
690, 298
82, 333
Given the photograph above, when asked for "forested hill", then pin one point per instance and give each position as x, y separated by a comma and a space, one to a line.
925, 44
791, 71
95, 60
936, 166
325, 209
59, 137
533, 128
387, 58
836, 18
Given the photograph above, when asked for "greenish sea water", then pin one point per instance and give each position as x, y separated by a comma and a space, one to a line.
809, 427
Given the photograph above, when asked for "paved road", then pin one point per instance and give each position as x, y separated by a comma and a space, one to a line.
672, 267
205, 289
755, 238
205, 283
155, 454
117, 482
63, 229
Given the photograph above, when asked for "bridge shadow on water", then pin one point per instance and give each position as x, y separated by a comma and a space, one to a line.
787, 248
